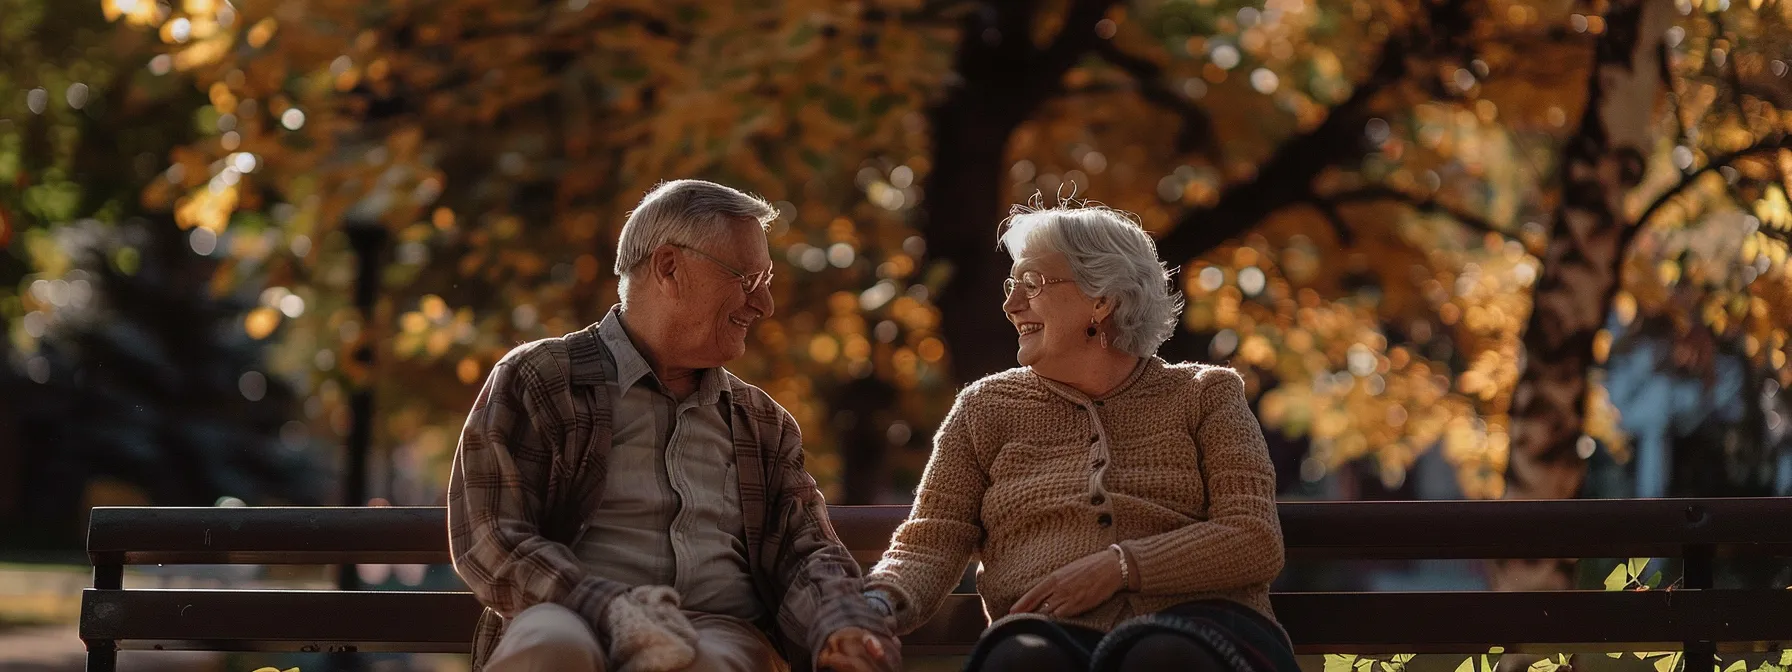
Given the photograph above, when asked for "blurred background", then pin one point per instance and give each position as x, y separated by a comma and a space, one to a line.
264, 252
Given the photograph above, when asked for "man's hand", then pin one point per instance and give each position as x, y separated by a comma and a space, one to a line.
1075, 588
855, 650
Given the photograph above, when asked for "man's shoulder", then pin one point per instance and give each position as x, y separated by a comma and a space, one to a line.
758, 403
547, 360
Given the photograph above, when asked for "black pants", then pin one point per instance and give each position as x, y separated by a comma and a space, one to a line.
1203, 636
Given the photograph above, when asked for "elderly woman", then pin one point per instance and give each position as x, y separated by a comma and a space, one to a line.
1123, 507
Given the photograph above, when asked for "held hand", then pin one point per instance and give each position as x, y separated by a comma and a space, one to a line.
855, 650
1075, 588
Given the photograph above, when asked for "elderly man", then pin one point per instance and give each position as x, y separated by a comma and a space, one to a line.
620, 501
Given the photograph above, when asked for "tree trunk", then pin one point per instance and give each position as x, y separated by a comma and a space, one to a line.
1002, 77
1582, 265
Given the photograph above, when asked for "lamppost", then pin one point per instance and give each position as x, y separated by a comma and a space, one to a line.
367, 238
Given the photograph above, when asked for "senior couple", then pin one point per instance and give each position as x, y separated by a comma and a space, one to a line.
620, 501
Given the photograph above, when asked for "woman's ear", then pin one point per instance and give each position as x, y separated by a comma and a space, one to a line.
1104, 307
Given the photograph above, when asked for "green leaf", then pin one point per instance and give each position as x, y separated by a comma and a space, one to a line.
1636, 566
1668, 663
1617, 579
1786, 658
803, 34
1738, 666
1545, 665
1363, 664
1403, 658
1654, 579
1485, 665
1468, 665
1616, 655
1339, 663
842, 108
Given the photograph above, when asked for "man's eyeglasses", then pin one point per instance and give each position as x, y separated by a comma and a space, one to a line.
1030, 282
749, 282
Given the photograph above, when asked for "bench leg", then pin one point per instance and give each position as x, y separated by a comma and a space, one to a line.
102, 656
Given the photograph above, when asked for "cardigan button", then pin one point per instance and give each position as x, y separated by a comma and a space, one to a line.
1104, 520
1097, 500
1095, 439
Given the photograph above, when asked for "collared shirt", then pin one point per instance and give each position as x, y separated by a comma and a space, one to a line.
532, 463
670, 514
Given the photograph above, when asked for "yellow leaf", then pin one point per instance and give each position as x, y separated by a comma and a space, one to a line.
1737, 666
259, 323
1339, 663
1636, 566
1545, 665
1617, 579
1668, 663
1619, 654
1468, 665
1485, 665
1786, 657
1403, 658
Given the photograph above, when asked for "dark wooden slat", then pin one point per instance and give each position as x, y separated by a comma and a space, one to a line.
268, 535
1331, 530
1318, 622
286, 620
1536, 528
1470, 621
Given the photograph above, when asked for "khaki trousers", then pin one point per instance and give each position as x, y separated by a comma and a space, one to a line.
551, 637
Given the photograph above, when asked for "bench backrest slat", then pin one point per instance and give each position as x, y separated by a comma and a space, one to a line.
1331, 530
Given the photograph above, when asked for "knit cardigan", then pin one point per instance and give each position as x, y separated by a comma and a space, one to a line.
1030, 475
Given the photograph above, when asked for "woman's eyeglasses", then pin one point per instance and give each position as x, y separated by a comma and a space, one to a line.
1029, 282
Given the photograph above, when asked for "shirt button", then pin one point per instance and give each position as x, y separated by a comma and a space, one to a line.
1104, 520
1097, 500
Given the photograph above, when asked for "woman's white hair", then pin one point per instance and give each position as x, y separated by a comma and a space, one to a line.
693, 213
1111, 257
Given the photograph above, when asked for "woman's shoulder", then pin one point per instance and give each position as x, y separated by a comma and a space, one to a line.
998, 389
1197, 378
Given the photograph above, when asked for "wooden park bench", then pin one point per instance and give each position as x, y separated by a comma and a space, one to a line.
1693, 617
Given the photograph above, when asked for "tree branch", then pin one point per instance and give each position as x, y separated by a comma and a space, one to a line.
1423, 204
1771, 144
1287, 176
1197, 125
1329, 209
1075, 38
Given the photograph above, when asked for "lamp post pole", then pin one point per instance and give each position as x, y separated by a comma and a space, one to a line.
367, 237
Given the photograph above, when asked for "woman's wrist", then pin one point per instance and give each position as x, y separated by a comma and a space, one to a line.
1125, 568
880, 601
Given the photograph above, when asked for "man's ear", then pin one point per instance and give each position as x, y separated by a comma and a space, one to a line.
664, 266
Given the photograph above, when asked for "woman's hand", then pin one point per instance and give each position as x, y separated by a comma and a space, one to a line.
1075, 588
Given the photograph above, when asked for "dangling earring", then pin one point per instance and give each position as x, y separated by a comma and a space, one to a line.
1104, 341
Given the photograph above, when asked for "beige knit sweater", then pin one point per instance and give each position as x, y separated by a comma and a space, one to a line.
1031, 475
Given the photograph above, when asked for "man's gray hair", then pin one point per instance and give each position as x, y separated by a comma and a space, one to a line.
1111, 257
693, 213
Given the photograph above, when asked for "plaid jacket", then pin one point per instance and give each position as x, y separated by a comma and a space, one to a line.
531, 464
